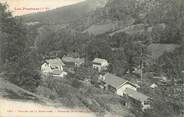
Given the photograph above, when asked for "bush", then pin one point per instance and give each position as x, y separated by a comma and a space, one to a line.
25, 78
91, 104
76, 83
103, 104
46, 92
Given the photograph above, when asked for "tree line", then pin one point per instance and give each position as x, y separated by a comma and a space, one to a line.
16, 57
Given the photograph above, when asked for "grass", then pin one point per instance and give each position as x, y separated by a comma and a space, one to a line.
21, 97
85, 96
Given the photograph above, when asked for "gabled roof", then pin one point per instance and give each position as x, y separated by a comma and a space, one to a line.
115, 81
99, 60
158, 50
73, 60
55, 62
136, 95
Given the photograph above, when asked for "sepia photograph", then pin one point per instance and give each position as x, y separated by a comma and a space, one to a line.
91, 58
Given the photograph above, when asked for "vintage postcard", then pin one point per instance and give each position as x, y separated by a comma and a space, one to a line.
91, 58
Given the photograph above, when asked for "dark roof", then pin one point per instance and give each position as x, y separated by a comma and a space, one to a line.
73, 60
136, 95
113, 80
55, 62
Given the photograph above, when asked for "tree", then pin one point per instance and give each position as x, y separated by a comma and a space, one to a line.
14, 42
120, 9
129, 52
135, 53
15, 52
86, 73
98, 48
170, 13
172, 63
119, 63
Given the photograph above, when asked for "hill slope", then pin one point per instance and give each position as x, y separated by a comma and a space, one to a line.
12, 91
65, 14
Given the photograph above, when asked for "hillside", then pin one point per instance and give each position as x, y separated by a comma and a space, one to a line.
65, 14
95, 17
117, 16
70, 100
24, 100
139, 39
12, 91
111, 16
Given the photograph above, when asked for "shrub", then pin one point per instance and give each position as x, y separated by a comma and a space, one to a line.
46, 92
103, 104
76, 83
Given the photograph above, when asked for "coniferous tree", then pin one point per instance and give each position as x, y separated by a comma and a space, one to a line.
13, 43
15, 53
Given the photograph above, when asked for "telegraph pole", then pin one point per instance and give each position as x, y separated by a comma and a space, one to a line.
141, 66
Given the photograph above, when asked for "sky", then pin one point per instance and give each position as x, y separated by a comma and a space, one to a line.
21, 7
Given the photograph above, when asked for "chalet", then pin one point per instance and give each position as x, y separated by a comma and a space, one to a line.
71, 61
117, 84
100, 64
54, 66
138, 97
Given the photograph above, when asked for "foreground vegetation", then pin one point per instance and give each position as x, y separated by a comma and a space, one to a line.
18, 60
75, 93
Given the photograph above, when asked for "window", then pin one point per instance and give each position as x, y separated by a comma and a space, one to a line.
54, 67
146, 102
97, 63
